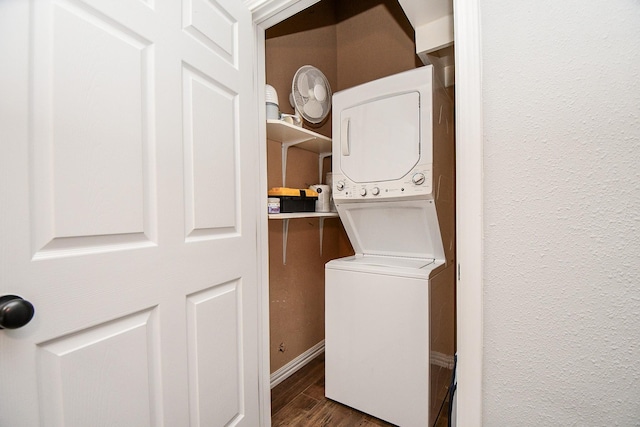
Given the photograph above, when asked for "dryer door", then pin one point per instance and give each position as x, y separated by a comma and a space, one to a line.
380, 139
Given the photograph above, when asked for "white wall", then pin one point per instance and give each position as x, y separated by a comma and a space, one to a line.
561, 96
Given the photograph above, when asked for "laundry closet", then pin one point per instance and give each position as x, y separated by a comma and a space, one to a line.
352, 43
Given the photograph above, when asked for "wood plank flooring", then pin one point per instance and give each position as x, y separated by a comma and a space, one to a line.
299, 401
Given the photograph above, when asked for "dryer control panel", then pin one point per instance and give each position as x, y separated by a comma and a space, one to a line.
418, 182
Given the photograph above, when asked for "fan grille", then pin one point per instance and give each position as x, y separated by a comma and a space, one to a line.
311, 94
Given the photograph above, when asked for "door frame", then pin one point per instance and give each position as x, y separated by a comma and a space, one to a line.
469, 186
469, 210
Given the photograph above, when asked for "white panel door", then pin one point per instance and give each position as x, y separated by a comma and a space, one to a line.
127, 188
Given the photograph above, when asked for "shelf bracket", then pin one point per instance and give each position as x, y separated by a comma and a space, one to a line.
289, 135
285, 226
321, 158
321, 233
285, 149
285, 232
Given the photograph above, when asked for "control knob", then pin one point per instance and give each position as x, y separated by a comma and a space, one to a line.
375, 191
363, 192
418, 178
340, 185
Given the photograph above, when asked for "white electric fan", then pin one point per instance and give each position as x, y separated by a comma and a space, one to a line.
310, 94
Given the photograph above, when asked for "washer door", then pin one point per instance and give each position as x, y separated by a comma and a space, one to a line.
396, 228
380, 139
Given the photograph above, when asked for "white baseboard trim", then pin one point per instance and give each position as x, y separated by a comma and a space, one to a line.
441, 359
296, 364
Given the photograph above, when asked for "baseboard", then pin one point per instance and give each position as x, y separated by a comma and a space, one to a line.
441, 359
296, 364
436, 358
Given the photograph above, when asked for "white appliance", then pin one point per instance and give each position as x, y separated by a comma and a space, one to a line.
323, 204
389, 308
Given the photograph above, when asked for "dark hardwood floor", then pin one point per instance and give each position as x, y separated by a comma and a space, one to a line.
299, 401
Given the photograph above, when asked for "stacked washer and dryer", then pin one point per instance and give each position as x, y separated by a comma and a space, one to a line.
389, 310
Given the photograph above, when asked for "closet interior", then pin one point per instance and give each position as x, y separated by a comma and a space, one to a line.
351, 43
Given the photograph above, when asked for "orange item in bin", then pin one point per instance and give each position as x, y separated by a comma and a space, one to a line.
295, 199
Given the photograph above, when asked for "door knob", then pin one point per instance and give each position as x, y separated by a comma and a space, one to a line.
15, 312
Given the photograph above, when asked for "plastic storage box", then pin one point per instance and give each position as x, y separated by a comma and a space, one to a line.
295, 199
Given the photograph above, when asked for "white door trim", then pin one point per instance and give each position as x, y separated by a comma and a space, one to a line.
469, 185
267, 13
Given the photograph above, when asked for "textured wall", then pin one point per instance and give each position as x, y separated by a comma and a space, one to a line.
561, 86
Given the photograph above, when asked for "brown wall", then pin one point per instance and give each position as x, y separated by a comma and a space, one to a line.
375, 40
296, 290
308, 38
351, 42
